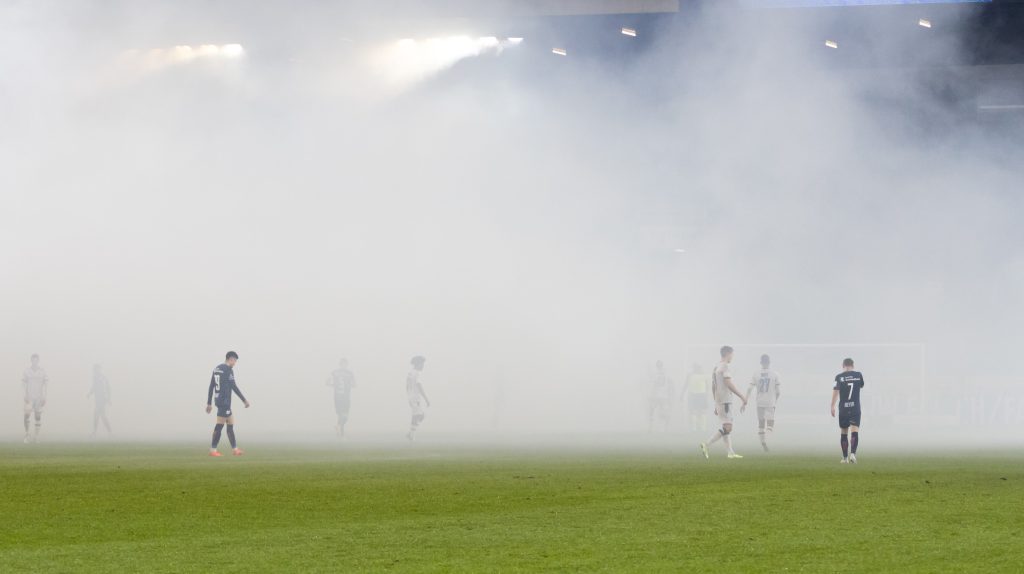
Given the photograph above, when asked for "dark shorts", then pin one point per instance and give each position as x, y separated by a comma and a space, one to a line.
341, 405
224, 411
848, 418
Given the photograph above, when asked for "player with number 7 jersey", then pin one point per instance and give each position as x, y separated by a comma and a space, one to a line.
847, 392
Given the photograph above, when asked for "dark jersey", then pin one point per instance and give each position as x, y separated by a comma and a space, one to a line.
222, 384
849, 384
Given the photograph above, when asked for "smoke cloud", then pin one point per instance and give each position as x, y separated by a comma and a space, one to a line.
541, 228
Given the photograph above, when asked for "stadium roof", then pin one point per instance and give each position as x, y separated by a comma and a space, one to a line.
528, 8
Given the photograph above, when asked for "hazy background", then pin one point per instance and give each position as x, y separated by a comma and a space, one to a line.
515, 218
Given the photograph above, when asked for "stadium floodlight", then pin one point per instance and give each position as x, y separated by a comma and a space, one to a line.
409, 60
679, 250
515, 41
158, 58
559, 51
831, 44
232, 50
209, 50
180, 53
924, 23
629, 32
462, 45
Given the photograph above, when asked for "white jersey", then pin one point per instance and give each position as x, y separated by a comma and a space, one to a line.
412, 388
34, 381
767, 383
723, 395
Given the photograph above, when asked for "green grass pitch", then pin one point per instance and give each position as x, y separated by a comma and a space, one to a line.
130, 508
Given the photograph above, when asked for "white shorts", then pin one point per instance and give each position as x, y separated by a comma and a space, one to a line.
35, 405
765, 413
724, 413
417, 408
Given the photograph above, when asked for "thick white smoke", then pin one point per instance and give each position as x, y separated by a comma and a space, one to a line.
514, 218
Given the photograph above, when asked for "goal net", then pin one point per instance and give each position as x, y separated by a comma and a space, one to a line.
893, 374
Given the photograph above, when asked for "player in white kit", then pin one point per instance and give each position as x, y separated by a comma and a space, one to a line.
767, 382
414, 390
34, 380
723, 390
343, 382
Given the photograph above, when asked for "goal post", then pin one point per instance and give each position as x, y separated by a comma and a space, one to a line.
894, 372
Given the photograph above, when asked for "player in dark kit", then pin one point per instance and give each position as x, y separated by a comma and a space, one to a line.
847, 392
222, 384
100, 392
